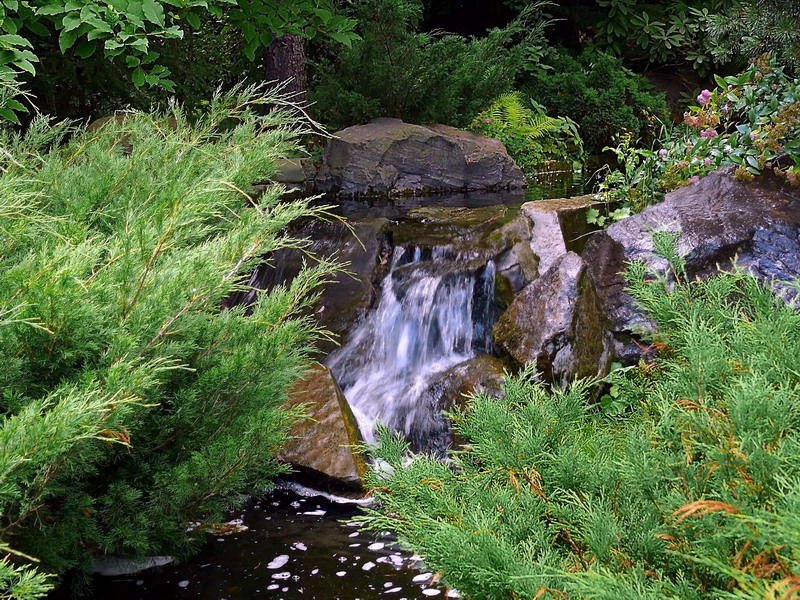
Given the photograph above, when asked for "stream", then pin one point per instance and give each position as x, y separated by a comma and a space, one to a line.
434, 310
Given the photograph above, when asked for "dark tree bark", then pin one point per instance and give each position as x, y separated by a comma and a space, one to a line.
284, 60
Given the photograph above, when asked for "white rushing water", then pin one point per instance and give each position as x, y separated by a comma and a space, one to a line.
434, 312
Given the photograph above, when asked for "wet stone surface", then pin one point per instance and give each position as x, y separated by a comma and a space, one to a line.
297, 546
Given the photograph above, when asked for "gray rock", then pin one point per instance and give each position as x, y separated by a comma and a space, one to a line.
294, 170
390, 156
517, 267
323, 442
364, 246
431, 429
559, 226
113, 566
556, 323
718, 218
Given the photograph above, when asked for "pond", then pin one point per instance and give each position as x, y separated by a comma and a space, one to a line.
298, 544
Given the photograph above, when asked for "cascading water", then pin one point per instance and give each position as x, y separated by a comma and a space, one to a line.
435, 311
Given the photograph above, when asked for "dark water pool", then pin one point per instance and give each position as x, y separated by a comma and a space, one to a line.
297, 546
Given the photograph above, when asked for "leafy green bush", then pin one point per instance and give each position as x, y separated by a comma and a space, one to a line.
132, 404
752, 27
600, 95
751, 121
660, 31
531, 138
397, 71
129, 33
693, 492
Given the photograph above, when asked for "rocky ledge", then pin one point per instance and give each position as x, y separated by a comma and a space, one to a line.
388, 156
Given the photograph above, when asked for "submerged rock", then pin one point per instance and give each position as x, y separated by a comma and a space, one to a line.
556, 322
294, 170
390, 156
323, 442
114, 566
429, 430
480, 375
718, 219
461, 229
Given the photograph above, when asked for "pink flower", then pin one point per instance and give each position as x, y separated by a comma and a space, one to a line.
791, 177
488, 121
662, 153
694, 179
704, 97
754, 135
709, 133
707, 161
726, 108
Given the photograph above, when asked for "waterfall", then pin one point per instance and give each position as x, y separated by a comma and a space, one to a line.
435, 311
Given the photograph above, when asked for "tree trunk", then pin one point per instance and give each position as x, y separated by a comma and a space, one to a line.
285, 61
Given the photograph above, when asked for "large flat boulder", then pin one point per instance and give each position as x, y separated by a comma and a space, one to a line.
390, 156
556, 322
718, 219
323, 441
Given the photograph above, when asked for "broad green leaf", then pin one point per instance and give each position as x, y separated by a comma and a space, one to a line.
71, 21
66, 39
153, 12
342, 38
37, 28
193, 19
15, 105
86, 48
25, 65
16, 40
8, 115
138, 77
51, 9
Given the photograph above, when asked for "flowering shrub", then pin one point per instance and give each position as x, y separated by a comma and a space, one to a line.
751, 121
531, 137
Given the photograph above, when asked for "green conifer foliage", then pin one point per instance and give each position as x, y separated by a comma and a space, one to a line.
692, 493
133, 402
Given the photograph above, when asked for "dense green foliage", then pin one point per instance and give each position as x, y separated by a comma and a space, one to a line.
693, 493
661, 31
750, 121
752, 27
132, 403
396, 70
596, 91
531, 137
128, 32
